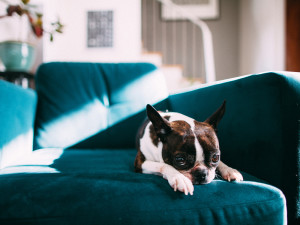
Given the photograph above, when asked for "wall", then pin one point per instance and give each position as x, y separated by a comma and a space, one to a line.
14, 27
262, 30
181, 41
72, 46
226, 33
248, 38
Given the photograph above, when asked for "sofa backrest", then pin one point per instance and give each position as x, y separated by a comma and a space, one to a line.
94, 105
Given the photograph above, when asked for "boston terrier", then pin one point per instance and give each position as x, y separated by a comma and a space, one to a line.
181, 149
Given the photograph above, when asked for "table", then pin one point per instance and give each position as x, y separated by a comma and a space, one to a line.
24, 79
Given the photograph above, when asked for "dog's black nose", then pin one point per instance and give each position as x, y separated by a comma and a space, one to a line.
199, 175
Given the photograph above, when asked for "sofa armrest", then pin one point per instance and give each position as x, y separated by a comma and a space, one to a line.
259, 133
17, 113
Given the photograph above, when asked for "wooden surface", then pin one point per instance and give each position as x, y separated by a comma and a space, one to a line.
293, 35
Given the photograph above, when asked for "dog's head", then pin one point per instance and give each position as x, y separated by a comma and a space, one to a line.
189, 146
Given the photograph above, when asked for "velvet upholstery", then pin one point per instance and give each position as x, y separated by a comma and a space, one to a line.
96, 187
82, 169
87, 98
259, 133
17, 114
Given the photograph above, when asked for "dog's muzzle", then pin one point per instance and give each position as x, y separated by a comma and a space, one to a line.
199, 176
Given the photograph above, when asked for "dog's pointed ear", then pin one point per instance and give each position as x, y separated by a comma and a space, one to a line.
216, 117
161, 126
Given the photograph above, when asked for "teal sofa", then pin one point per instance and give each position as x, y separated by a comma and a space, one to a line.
67, 149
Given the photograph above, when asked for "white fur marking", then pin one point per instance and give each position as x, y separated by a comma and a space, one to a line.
199, 151
191, 122
176, 180
149, 150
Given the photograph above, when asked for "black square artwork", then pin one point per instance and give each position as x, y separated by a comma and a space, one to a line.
100, 29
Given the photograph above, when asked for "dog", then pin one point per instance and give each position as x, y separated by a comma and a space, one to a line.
181, 149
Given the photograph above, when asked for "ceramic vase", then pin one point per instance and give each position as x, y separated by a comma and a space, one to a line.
17, 56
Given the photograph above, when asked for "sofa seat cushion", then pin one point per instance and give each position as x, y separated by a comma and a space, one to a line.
56, 186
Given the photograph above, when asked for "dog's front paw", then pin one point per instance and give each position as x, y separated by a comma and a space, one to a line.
230, 174
181, 183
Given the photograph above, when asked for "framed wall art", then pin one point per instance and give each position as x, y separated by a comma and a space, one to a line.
100, 29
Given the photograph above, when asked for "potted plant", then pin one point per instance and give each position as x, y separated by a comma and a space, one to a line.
18, 55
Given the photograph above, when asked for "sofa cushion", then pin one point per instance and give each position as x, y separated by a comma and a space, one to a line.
80, 100
17, 113
100, 187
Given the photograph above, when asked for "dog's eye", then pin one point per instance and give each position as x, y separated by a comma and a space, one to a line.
180, 160
215, 158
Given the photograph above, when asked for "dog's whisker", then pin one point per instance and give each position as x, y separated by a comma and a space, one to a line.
218, 176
